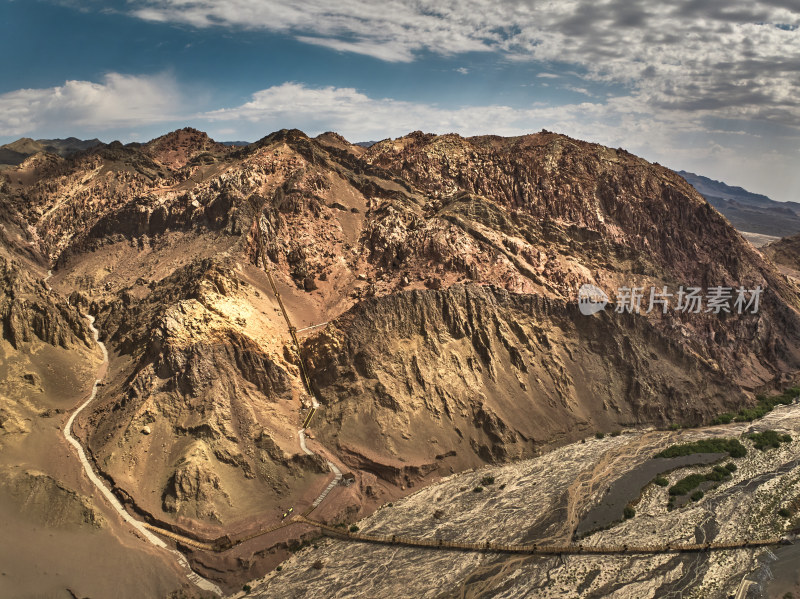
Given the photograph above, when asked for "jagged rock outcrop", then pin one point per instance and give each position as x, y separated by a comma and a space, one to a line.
48, 502
493, 376
28, 311
194, 487
180, 147
207, 394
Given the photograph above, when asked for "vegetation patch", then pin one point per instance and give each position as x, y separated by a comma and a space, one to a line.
690, 483
686, 484
730, 446
765, 406
718, 474
768, 440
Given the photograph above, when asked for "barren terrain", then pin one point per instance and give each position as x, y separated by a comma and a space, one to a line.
542, 500
432, 281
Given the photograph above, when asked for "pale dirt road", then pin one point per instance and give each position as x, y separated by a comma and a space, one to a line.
199, 581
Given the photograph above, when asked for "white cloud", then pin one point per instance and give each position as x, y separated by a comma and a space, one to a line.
357, 116
737, 57
119, 101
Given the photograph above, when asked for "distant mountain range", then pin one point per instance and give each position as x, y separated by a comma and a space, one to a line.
16, 152
746, 211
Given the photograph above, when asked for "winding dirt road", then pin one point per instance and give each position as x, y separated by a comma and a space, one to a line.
140, 527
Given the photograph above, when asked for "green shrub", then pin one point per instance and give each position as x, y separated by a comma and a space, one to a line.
717, 476
629, 512
786, 438
599, 435
616, 433
477, 489
737, 450
487, 480
279, 568
730, 446
674, 426
784, 513
767, 440
246, 588
683, 486
765, 406
726, 418
731, 467
661, 481
353, 528
697, 496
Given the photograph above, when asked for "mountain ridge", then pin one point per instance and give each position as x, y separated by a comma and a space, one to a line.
433, 280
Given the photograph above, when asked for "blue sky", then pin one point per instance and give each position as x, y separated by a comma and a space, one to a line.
707, 86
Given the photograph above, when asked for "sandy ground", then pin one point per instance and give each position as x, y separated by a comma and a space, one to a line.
758, 239
44, 562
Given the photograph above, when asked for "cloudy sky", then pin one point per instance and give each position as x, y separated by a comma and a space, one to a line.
709, 86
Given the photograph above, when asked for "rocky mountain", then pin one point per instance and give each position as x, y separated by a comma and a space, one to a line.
747, 211
48, 362
434, 283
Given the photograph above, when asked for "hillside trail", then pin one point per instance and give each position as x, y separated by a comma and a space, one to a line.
140, 527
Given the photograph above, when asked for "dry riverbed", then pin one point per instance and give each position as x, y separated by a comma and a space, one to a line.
544, 500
